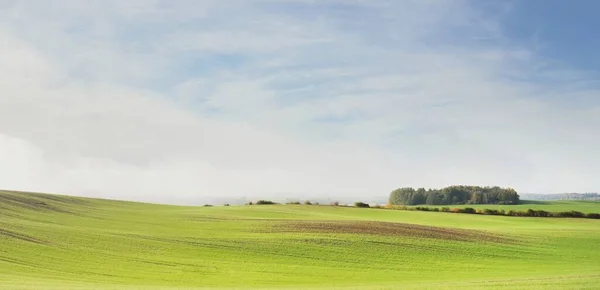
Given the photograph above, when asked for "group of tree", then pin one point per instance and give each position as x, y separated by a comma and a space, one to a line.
527, 213
457, 194
361, 204
268, 202
261, 202
306, 202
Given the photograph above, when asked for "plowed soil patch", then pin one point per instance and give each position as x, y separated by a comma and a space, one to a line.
386, 229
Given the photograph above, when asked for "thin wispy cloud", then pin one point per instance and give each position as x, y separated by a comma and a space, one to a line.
188, 101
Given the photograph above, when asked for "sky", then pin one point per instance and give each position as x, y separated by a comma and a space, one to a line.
191, 101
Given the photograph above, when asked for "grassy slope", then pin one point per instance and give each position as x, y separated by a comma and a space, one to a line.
57, 242
552, 206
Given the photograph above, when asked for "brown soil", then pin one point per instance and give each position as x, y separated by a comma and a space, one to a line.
385, 229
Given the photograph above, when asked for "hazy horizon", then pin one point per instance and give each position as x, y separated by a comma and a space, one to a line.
240, 200
190, 101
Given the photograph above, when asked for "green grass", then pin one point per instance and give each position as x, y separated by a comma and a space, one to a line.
551, 206
59, 242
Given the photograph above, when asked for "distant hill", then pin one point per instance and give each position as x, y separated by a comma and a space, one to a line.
561, 196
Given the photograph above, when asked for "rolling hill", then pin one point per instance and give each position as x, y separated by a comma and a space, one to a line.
63, 242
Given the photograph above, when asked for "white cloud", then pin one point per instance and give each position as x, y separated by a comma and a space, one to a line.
187, 101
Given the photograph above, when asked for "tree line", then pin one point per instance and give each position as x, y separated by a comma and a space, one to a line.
456, 194
466, 210
527, 213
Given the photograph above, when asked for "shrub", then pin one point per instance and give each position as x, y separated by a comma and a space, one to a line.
335, 203
261, 202
593, 215
516, 213
572, 214
542, 213
445, 209
207, 205
361, 204
307, 202
293, 202
491, 211
226, 204
469, 210
577, 214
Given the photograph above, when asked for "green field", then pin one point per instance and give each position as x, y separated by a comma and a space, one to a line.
60, 242
551, 206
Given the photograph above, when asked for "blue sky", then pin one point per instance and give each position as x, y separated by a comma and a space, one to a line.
562, 32
188, 101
